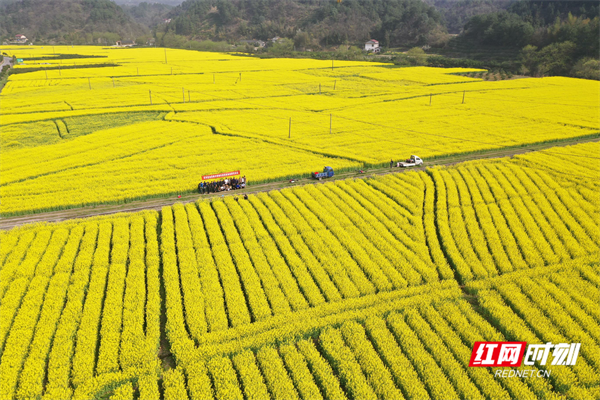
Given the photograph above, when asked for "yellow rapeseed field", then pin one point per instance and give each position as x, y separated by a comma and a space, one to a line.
350, 289
149, 122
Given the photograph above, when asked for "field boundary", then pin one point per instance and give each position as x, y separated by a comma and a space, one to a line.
158, 201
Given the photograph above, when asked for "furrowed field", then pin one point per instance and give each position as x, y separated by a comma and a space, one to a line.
361, 289
90, 125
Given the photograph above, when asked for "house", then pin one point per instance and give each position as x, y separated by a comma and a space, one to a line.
125, 43
372, 45
20, 39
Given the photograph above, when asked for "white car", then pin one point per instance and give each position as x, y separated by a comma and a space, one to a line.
413, 161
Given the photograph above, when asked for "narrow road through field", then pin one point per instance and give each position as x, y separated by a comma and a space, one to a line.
6, 61
158, 203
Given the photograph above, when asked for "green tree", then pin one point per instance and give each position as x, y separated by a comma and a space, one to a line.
172, 40
227, 12
587, 68
557, 58
530, 60
301, 40
282, 47
417, 56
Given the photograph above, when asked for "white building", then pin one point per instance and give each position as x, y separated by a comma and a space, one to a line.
125, 43
372, 45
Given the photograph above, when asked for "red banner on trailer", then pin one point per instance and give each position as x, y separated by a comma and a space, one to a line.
223, 175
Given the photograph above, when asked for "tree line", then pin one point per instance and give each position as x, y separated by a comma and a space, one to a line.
557, 38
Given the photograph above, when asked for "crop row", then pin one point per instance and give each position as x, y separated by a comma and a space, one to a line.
285, 251
550, 306
422, 351
494, 218
79, 303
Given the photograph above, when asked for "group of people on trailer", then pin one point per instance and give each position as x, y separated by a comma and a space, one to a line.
222, 186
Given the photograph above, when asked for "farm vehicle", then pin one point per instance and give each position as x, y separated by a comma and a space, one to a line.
413, 161
327, 173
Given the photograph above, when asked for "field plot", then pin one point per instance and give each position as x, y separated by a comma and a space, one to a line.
373, 288
79, 301
91, 169
165, 117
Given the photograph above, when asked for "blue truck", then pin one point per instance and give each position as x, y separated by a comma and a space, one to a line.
327, 173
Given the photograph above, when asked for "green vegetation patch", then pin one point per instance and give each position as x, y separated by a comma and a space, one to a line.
63, 57
79, 126
24, 70
16, 136
42, 133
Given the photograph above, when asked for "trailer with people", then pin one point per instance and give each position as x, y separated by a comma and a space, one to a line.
221, 182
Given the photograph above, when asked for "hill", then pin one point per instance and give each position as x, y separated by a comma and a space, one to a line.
556, 38
171, 3
394, 22
75, 21
4, 2
147, 14
457, 12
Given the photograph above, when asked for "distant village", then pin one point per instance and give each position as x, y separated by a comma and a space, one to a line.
370, 46
19, 39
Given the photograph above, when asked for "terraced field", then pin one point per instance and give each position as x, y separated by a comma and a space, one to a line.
361, 288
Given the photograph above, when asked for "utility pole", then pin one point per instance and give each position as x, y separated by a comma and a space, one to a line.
240, 77
166, 56
150, 96
334, 83
290, 131
46, 71
113, 79
332, 64
189, 97
330, 121
319, 88
183, 94
90, 83
463, 96
430, 98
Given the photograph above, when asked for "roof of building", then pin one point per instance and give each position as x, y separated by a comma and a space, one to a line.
372, 41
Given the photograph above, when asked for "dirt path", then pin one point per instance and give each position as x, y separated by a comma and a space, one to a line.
158, 203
